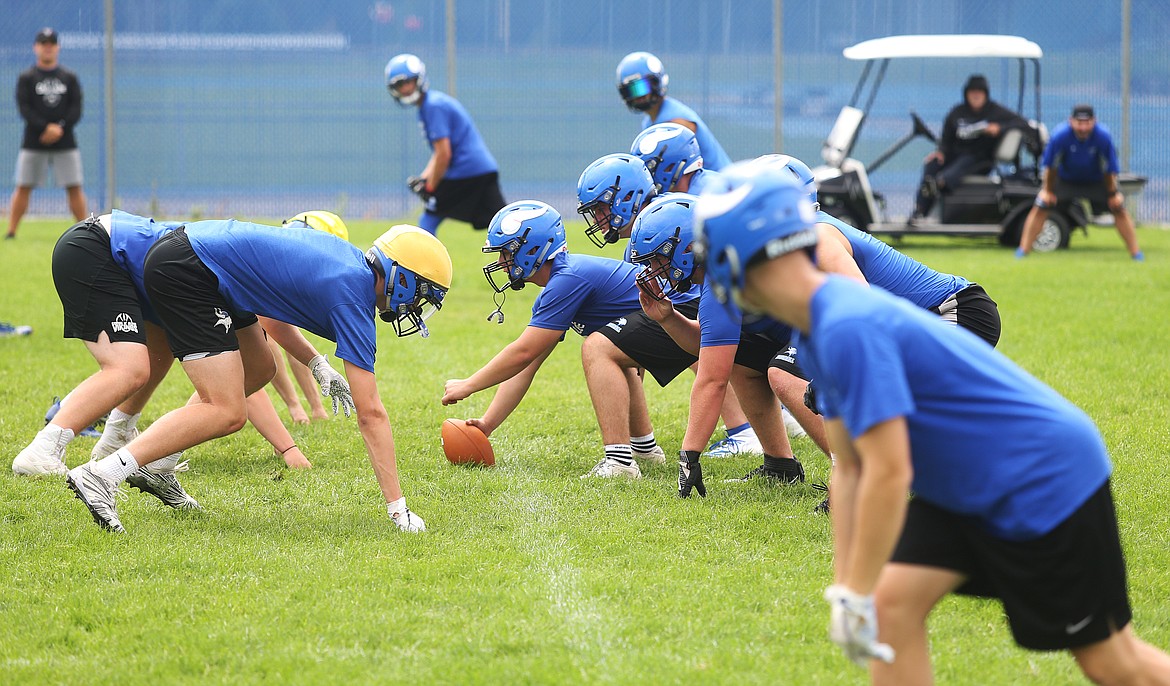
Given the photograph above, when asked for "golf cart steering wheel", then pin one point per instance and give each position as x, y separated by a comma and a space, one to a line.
921, 129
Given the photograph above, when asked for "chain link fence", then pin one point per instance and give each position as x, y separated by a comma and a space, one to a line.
268, 107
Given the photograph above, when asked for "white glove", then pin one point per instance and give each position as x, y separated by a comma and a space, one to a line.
405, 519
853, 626
333, 384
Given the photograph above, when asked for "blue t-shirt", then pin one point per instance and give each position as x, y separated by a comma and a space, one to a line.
702, 179
718, 324
130, 237
1077, 161
442, 116
584, 293
986, 438
903, 276
713, 155
310, 279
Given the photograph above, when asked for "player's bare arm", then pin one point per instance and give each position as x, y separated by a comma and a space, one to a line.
879, 503
531, 344
707, 392
437, 166
834, 254
374, 424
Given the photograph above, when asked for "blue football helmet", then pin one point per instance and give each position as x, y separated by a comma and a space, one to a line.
610, 193
755, 211
665, 229
669, 151
641, 81
798, 169
525, 234
400, 70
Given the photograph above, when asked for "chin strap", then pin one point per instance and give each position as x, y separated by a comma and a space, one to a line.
423, 330
498, 316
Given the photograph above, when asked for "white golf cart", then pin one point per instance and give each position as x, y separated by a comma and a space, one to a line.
993, 204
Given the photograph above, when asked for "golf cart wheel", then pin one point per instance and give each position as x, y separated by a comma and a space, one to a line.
1054, 234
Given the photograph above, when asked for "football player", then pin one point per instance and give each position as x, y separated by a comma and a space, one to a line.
208, 282
461, 179
1010, 482
642, 81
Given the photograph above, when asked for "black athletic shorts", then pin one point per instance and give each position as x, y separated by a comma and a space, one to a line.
647, 343
1068, 192
96, 294
785, 361
1063, 590
474, 200
974, 310
198, 320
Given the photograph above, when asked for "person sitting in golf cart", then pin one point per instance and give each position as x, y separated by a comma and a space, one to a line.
967, 146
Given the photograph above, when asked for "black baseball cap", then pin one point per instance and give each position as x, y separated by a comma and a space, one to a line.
1083, 112
46, 35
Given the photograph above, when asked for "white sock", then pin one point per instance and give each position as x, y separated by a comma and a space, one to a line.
644, 444
165, 465
116, 467
396, 507
124, 421
622, 453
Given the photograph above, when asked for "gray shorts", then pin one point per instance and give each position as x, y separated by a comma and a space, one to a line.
32, 167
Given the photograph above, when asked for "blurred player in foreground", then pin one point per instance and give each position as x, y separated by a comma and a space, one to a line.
1010, 481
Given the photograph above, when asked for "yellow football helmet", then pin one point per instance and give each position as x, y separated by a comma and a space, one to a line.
418, 273
322, 221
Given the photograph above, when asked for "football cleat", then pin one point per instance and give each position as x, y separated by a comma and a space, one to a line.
408, 521
608, 469
164, 486
89, 431
822, 507
789, 474
42, 458
743, 443
97, 494
656, 456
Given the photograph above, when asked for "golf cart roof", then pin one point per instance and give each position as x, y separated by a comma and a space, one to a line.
954, 45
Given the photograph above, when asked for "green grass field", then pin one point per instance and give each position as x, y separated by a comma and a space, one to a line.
527, 574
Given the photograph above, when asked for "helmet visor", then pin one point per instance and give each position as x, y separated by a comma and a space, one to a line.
636, 88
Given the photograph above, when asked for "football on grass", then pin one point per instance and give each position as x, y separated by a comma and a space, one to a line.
465, 444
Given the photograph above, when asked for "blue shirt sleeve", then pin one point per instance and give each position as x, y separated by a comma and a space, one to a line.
719, 324
864, 381
436, 121
1109, 152
356, 333
559, 302
1055, 145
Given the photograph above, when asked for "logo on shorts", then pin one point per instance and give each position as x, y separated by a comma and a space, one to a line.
617, 324
1071, 629
222, 318
577, 328
124, 323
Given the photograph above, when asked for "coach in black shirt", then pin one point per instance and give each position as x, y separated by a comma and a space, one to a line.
49, 98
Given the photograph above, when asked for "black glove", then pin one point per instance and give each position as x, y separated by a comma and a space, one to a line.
810, 398
690, 474
418, 186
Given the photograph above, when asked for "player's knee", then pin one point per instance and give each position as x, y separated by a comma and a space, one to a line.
596, 349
